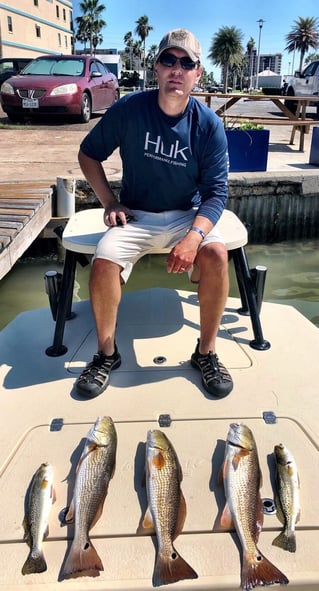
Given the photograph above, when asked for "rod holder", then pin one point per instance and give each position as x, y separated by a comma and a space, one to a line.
258, 274
52, 281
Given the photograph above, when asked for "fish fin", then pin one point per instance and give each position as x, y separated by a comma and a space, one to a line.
259, 519
226, 520
239, 455
172, 568
99, 511
180, 517
35, 563
69, 515
147, 525
260, 572
81, 559
27, 533
286, 541
279, 511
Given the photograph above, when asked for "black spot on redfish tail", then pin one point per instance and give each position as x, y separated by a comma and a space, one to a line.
80, 560
170, 569
35, 563
260, 572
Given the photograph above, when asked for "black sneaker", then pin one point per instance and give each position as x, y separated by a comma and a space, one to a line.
215, 377
95, 377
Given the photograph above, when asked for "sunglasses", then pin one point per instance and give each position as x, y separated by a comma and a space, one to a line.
169, 60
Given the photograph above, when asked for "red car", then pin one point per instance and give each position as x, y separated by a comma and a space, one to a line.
60, 85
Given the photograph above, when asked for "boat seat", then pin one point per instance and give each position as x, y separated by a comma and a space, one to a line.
81, 235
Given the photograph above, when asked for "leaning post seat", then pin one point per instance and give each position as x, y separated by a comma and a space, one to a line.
85, 228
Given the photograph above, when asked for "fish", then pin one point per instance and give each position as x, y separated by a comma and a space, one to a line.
36, 519
166, 511
243, 510
94, 471
287, 498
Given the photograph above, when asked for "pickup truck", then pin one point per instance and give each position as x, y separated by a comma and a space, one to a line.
305, 83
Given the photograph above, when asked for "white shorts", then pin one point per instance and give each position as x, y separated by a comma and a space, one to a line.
125, 245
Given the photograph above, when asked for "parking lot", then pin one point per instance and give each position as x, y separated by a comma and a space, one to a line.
46, 149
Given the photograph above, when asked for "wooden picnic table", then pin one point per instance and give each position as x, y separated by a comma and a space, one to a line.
298, 121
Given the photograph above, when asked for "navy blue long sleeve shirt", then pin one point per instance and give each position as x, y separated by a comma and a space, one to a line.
168, 162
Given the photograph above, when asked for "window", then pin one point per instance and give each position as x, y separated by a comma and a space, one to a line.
38, 30
59, 39
57, 11
64, 14
65, 41
10, 26
36, 2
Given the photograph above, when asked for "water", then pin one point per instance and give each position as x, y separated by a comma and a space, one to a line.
292, 278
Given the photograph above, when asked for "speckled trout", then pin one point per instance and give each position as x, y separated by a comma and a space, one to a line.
94, 472
166, 508
36, 520
244, 509
287, 497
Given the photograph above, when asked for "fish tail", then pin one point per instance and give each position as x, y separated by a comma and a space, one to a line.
171, 568
35, 563
260, 572
286, 541
82, 559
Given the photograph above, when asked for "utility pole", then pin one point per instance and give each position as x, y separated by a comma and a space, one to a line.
260, 22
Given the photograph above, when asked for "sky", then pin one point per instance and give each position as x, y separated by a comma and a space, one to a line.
204, 18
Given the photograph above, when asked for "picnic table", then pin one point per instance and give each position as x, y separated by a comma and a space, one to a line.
298, 121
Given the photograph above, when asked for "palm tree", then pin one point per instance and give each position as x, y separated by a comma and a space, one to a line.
91, 20
82, 34
303, 36
226, 49
143, 29
311, 57
129, 43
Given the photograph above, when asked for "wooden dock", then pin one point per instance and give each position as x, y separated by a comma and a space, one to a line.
25, 210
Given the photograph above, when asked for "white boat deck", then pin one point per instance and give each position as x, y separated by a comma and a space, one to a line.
43, 419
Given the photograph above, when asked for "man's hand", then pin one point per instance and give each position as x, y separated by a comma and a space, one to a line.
183, 255
117, 215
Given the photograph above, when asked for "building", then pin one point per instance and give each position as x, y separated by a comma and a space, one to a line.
30, 28
270, 61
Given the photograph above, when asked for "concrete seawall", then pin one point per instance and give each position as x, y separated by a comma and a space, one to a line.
274, 207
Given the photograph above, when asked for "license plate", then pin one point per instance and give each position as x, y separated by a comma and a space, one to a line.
28, 103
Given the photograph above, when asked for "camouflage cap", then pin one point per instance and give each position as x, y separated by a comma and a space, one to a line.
181, 39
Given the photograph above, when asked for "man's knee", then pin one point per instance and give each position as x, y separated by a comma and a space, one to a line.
214, 255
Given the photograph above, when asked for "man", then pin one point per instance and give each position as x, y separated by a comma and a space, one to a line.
174, 156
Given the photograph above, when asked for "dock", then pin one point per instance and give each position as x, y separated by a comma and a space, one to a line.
25, 210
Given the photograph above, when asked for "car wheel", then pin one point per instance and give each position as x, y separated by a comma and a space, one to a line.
86, 108
291, 104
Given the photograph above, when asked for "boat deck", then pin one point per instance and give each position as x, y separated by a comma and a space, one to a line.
275, 394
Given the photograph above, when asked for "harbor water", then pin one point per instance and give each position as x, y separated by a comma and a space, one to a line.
292, 278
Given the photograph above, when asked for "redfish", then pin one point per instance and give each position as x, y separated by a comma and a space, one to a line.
166, 508
94, 472
244, 509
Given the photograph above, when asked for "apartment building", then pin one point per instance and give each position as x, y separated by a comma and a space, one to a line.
33, 27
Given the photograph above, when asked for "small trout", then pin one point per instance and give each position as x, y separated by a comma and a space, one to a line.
94, 472
166, 509
36, 520
287, 497
244, 510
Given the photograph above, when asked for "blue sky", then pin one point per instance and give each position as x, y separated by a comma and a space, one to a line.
204, 18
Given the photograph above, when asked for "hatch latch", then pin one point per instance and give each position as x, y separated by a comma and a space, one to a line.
164, 420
